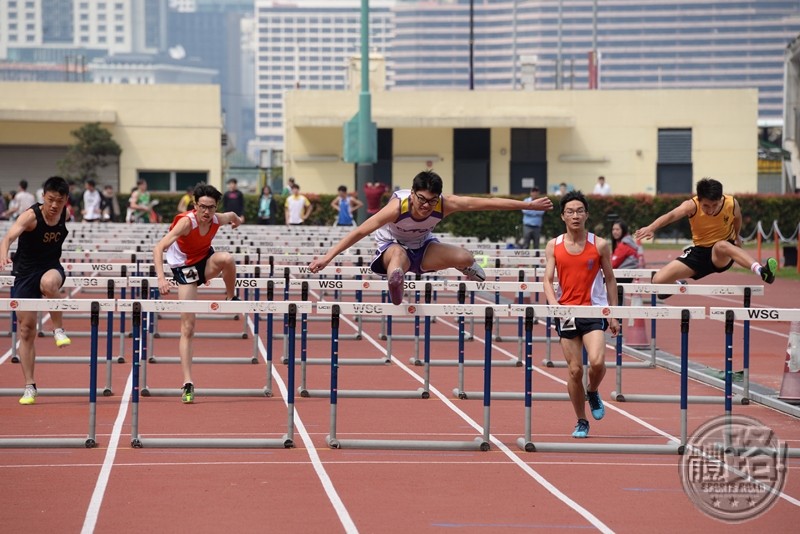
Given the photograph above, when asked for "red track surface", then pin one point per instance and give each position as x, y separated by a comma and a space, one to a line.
311, 488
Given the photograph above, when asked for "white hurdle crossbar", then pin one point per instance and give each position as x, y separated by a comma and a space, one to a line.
95, 307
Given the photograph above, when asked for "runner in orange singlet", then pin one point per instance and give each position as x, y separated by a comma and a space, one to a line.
578, 257
193, 261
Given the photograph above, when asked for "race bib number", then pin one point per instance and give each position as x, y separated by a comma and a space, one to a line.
189, 273
568, 323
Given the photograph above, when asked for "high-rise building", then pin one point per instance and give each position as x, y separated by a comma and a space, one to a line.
646, 44
307, 44
33, 30
210, 36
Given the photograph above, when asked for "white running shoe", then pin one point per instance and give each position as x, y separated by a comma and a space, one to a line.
474, 273
62, 340
29, 396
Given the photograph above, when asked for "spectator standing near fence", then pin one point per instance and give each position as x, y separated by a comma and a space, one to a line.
21, 202
601, 187
532, 222
110, 206
37, 271
345, 206
267, 207
579, 256
186, 201
373, 191
92, 202
139, 203
297, 207
233, 199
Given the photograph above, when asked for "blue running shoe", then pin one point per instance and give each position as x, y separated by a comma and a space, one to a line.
596, 404
581, 429
396, 286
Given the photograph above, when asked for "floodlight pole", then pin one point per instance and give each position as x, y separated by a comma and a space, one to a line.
471, 45
364, 167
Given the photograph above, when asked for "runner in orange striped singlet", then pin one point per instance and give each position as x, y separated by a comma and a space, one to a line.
191, 257
579, 257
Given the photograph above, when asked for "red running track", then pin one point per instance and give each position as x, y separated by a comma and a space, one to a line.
311, 488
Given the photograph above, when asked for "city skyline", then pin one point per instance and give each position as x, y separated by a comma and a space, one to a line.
530, 45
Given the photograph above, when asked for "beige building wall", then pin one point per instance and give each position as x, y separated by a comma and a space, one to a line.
589, 133
159, 127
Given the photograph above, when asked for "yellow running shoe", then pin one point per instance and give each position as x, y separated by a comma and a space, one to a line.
62, 340
188, 393
29, 397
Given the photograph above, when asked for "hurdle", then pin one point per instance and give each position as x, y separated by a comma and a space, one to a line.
321, 284
729, 315
214, 284
481, 443
246, 283
94, 307
138, 308
693, 289
107, 306
526, 442
204, 306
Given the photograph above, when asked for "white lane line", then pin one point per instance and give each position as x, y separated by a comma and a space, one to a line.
341, 510
610, 406
595, 522
90, 521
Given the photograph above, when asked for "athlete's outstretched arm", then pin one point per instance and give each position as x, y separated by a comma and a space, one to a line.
455, 203
684, 209
386, 215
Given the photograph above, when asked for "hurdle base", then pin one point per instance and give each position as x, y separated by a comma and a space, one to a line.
216, 392
365, 393
510, 395
215, 335
691, 399
72, 359
610, 365
478, 444
348, 337
202, 359
411, 337
47, 443
529, 446
342, 361
53, 392
467, 363
213, 443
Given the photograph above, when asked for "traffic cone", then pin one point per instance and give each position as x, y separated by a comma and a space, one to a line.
636, 333
790, 386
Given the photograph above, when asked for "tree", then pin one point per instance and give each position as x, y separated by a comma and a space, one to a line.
92, 151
